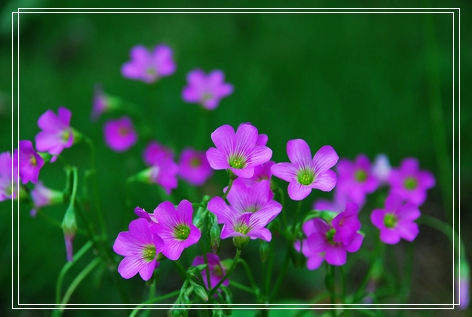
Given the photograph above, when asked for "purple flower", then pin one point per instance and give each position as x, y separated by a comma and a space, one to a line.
346, 224
56, 134
164, 173
149, 66
356, 178
206, 90
381, 168
194, 167
237, 151
217, 271
120, 134
44, 196
320, 242
102, 103
338, 203
396, 220
155, 153
141, 213
261, 173
304, 172
8, 177
140, 247
28, 161
251, 209
409, 182
175, 227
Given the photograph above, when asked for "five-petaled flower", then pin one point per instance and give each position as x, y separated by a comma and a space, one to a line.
396, 220
194, 167
29, 162
206, 90
304, 172
238, 151
140, 247
56, 134
120, 134
149, 66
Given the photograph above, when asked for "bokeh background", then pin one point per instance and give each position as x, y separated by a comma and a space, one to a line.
363, 83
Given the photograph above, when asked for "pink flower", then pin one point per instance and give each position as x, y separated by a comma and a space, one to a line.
120, 134
356, 179
304, 172
8, 177
237, 151
194, 167
29, 162
217, 271
149, 66
140, 247
396, 220
44, 196
56, 134
155, 153
206, 90
175, 227
409, 182
102, 102
381, 168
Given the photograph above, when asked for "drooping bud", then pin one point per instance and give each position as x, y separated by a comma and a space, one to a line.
69, 227
264, 250
462, 282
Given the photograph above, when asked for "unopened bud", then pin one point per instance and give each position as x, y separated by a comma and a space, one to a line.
200, 291
69, 227
240, 242
215, 233
264, 250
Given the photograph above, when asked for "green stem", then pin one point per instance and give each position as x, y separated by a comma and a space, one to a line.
153, 300
95, 189
282, 272
242, 287
375, 254
297, 215
269, 269
207, 269
284, 213
332, 272
231, 269
249, 274
343, 283
181, 269
66, 268
230, 184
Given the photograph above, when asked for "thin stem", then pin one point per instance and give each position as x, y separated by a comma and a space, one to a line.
95, 188
269, 268
230, 184
332, 272
231, 269
153, 300
282, 272
66, 268
249, 274
297, 215
181, 269
284, 213
343, 282
242, 287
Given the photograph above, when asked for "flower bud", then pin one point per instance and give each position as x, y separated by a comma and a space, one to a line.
69, 227
199, 291
264, 250
462, 282
240, 242
215, 233
179, 313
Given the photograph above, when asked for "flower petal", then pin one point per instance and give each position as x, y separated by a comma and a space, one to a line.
299, 153
325, 158
297, 191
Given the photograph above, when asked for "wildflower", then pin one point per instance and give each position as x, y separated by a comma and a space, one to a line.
396, 220
149, 66
194, 167
102, 102
338, 203
175, 227
356, 179
120, 134
237, 151
56, 134
206, 90
381, 168
155, 153
8, 177
251, 209
28, 161
140, 246
44, 196
69, 227
217, 271
261, 173
346, 224
141, 213
409, 182
304, 172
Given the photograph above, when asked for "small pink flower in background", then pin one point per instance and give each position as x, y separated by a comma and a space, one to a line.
206, 90
44, 196
396, 220
56, 133
29, 162
8, 177
149, 66
102, 103
156, 152
175, 227
356, 179
409, 182
381, 168
338, 203
120, 134
217, 271
237, 151
194, 167
305, 173
140, 247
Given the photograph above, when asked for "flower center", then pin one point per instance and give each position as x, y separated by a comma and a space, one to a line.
360, 175
181, 232
252, 208
195, 162
330, 234
243, 229
123, 131
151, 71
218, 271
237, 162
206, 96
33, 160
390, 221
410, 183
305, 176
149, 253
65, 135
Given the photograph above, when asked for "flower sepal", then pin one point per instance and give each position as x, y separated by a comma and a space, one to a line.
240, 242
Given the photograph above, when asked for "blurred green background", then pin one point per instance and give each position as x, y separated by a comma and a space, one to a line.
363, 83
